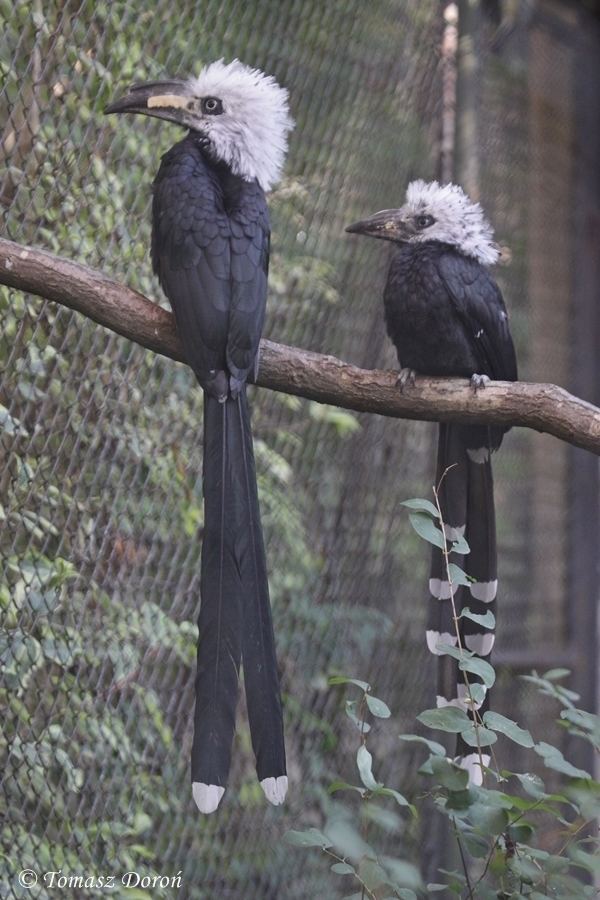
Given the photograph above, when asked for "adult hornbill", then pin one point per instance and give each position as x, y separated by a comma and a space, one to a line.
210, 251
446, 316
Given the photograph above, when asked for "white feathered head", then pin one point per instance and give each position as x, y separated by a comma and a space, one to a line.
243, 114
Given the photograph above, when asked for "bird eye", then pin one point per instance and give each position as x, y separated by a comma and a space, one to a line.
212, 106
424, 221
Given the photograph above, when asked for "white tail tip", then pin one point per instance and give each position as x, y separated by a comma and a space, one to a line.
207, 796
472, 764
275, 789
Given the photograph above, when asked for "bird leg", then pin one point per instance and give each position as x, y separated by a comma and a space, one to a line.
479, 381
406, 376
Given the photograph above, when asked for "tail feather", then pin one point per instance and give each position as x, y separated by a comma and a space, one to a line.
258, 645
235, 616
467, 500
219, 623
451, 476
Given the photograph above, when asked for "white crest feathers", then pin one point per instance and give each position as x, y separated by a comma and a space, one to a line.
458, 219
251, 133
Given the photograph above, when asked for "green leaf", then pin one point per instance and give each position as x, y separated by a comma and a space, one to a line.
448, 718
460, 800
449, 774
341, 679
377, 707
461, 546
488, 820
425, 528
532, 784
424, 506
458, 576
311, 838
478, 692
553, 759
404, 874
525, 869
508, 728
479, 667
477, 845
454, 652
372, 873
487, 620
347, 841
436, 749
343, 868
521, 833
398, 797
364, 761
478, 736
556, 674
345, 786
586, 721
351, 707
10, 424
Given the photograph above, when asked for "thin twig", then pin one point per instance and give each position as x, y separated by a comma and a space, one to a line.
463, 860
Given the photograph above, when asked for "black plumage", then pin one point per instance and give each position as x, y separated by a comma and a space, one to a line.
446, 317
210, 251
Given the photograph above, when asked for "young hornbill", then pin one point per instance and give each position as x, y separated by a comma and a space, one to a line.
210, 251
446, 316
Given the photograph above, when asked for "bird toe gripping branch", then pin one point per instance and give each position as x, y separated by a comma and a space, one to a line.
210, 251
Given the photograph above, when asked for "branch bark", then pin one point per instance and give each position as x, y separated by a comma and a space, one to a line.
543, 407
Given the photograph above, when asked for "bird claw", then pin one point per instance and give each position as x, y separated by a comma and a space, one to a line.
479, 381
406, 376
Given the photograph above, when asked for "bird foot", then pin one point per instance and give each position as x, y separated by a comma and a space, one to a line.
406, 376
275, 789
207, 796
479, 382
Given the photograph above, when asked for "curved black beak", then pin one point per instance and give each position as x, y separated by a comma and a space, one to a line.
170, 100
388, 225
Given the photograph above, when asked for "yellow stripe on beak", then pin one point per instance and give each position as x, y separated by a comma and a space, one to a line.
168, 100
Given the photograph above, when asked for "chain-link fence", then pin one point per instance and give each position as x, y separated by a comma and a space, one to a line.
101, 440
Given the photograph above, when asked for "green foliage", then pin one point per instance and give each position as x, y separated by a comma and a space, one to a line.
374, 873
500, 827
494, 827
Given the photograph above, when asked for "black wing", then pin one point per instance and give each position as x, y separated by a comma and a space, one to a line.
212, 264
478, 303
191, 256
250, 243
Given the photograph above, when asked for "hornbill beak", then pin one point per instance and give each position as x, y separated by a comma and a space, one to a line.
170, 100
389, 225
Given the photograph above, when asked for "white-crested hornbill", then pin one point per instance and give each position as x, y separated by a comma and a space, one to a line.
210, 251
446, 316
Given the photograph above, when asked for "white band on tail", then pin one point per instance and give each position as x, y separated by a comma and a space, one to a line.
472, 764
484, 591
439, 589
275, 789
454, 532
207, 796
481, 644
435, 637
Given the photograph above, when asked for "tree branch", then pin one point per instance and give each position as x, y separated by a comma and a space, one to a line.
543, 407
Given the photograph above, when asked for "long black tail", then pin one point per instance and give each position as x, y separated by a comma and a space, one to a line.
467, 502
235, 615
